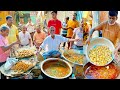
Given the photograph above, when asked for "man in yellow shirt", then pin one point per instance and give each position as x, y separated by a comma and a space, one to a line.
71, 25
13, 33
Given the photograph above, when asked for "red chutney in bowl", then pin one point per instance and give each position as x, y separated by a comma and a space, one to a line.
102, 72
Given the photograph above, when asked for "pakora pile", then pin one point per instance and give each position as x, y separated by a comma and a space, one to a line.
24, 53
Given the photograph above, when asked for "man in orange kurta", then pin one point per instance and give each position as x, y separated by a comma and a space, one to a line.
38, 37
110, 30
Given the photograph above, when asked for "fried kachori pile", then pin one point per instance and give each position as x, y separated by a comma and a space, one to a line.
24, 53
100, 55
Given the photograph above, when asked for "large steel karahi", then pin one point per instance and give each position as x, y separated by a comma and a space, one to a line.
56, 68
24, 63
110, 71
100, 60
100, 51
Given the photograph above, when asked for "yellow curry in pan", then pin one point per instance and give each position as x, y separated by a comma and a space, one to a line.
56, 69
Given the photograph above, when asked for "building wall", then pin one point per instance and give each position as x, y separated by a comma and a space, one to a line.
95, 22
3, 15
118, 20
12, 13
103, 16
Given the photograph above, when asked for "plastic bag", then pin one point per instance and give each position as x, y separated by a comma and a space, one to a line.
9, 63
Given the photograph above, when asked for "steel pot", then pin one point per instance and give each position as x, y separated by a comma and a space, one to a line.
45, 75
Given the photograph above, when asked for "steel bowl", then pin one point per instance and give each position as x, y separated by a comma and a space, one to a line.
99, 41
55, 60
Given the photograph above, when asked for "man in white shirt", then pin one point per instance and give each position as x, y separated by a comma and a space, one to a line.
25, 37
77, 34
30, 27
51, 44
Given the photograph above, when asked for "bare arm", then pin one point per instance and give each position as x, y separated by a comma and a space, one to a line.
17, 34
71, 43
34, 43
60, 27
30, 42
42, 46
34, 38
72, 40
5, 48
91, 32
40, 49
97, 28
18, 37
60, 30
118, 44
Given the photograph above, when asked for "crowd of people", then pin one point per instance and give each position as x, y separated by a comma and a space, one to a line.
33, 35
50, 40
